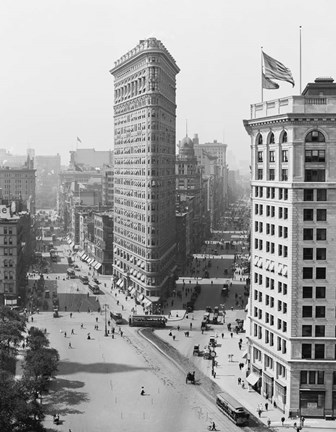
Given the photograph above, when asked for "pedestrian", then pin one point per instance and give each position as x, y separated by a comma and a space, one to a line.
70, 314
269, 422
96, 319
239, 381
283, 420
142, 391
240, 346
190, 326
82, 325
64, 334
32, 319
72, 331
259, 412
222, 335
231, 334
178, 328
302, 420
70, 345
121, 334
266, 406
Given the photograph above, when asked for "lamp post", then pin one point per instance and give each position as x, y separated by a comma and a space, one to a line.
106, 306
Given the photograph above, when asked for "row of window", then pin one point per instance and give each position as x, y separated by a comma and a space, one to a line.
320, 234
270, 229
271, 156
321, 215
315, 194
307, 312
313, 351
307, 331
320, 254
270, 211
320, 272
310, 156
270, 192
281, 344
271, 174
313, 136
311, 175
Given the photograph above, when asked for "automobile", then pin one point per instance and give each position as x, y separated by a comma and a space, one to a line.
213, 341
95, 280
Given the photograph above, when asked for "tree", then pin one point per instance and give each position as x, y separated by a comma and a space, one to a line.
36, 339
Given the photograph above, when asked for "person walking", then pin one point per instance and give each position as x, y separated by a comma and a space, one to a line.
266, 406
70, 346
142, 393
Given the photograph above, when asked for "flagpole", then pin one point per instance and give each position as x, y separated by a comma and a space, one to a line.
262, 88
300, 62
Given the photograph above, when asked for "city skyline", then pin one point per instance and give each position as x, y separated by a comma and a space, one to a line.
55, 80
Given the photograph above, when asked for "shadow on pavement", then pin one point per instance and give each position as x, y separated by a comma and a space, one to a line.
68, 368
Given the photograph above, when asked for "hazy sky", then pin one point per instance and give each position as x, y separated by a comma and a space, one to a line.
56, 55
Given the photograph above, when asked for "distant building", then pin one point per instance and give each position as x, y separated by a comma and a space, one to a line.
144, 170
107, 185
15, 254
90, 158
18, 184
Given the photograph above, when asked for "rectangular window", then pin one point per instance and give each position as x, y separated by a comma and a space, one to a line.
319, 331
285, 194
273, 193
321, 234
307, 272
280, 231
321, 254
307, 331
321, 272
308, 253
280, 193
271, 156
271, 174
284, 156
320, 312
260, 156
321, 215
308, 195
256, 191
303, 377
316, 175
285, 232
320, 377
284, 174
320, 292
307, 311
307, 292
308, 214
315, 156
260, 174
308, 234
306, 351
321, 194
319, 351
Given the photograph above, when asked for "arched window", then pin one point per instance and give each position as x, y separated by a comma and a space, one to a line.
259, 139
271, 138
315, 136
284, 137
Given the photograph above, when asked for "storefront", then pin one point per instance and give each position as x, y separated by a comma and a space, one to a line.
268, 386
312, 403
280, 396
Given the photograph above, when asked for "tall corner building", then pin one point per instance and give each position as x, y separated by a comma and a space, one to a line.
292, 324
144, 169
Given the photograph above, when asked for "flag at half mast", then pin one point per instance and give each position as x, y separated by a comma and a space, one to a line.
268, 83
276, 70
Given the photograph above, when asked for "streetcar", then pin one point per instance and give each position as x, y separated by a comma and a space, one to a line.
94, 288
84, 279
71, 273
232, 409
147, 321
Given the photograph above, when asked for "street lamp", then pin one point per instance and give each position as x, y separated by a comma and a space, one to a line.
106, 306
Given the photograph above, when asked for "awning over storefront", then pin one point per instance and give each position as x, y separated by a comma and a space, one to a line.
133, 290
141, 296
98, 265
147, 302
94, 263
80, 254
71, 244
253, 379
143, 278
119, 282
245, 355
131, 271
76, 247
